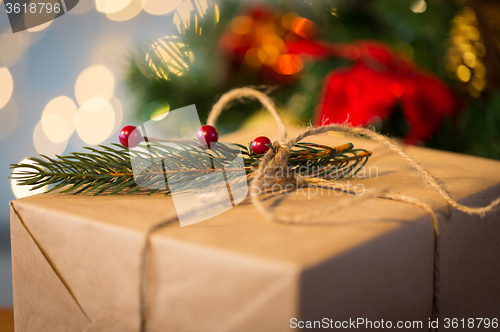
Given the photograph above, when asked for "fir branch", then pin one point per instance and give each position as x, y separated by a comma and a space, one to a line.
159, 167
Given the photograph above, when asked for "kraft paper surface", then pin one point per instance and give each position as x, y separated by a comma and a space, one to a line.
77, 259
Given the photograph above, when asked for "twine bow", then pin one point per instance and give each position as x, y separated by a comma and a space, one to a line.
278, 158
283, 145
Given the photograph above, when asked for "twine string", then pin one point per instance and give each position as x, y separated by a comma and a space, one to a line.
250, 93
277, 158
145, 286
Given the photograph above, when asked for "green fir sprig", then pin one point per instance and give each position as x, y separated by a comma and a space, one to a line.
159, 167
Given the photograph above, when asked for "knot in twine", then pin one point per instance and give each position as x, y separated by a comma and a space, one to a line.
276, 169
276, 160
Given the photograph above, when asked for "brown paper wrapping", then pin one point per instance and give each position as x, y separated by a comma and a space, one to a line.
77, 259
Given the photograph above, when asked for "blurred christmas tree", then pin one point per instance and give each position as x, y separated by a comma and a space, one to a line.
399, 83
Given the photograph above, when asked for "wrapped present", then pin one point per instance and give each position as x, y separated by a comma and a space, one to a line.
124, 263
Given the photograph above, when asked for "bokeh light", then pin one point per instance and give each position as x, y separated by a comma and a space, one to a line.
44, 145
273, 46
9, 118
111, 6
288, 19
117, 109
184, 13
241, 24
289, 64
169, 56
93, 81
58, 118
95, 121
24, 191
419, 6
463, 73
55, 127
6, 86
255, 57
132, 10
160, 7
303, 27
469, 59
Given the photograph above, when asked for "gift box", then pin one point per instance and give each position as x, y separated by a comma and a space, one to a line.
123, 262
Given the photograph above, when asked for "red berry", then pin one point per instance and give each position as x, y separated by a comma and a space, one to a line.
207, 135
260, 145
130, 136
